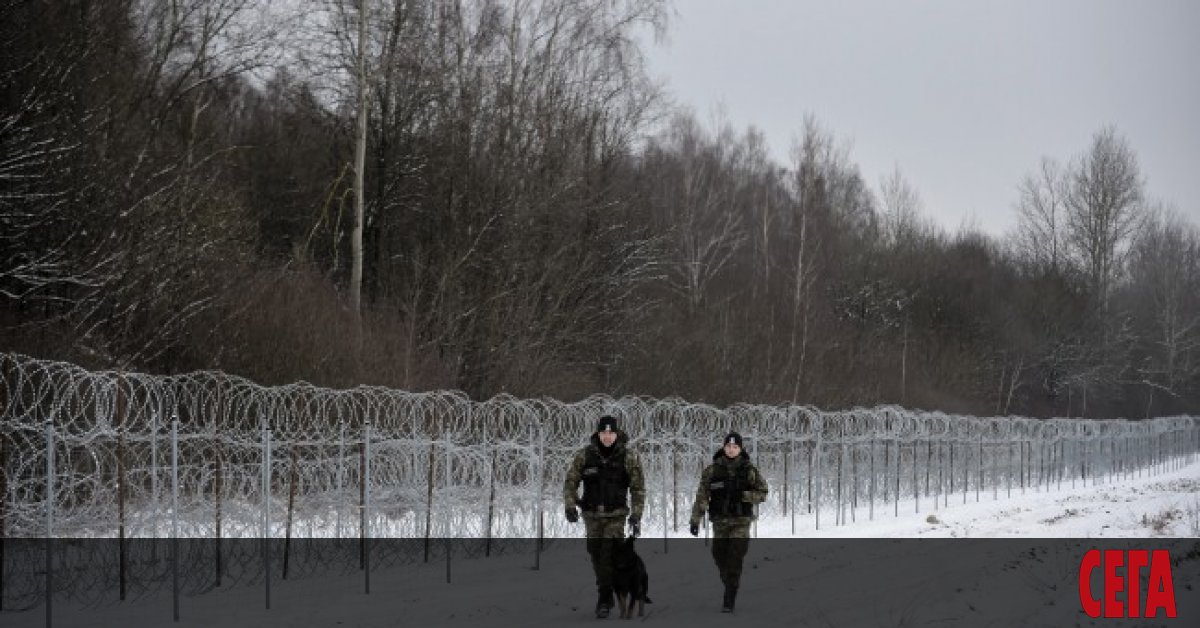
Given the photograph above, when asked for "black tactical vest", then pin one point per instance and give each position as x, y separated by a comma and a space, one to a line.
725, 488
605, 481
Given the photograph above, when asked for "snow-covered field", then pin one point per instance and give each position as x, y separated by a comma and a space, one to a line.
845, 579
1167, 504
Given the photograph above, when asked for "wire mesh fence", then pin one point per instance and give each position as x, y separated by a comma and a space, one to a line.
333, 480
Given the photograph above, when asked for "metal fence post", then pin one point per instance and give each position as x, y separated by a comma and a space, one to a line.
175, 517
367, 507
49, 521
266, 520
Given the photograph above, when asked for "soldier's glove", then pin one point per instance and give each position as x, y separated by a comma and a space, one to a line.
572, 514
635, 524
694, 528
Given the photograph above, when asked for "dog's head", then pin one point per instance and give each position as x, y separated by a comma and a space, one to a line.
624, 555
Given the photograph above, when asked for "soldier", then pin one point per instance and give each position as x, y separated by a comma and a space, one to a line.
729, 488
608, 470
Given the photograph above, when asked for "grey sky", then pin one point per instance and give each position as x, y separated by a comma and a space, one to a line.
965, 97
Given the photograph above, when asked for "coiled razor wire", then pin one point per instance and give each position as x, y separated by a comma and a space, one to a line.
113, 464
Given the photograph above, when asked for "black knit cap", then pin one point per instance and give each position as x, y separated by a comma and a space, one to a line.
732, 437
607, 423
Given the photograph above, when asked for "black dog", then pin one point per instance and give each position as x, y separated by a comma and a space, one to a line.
630, 580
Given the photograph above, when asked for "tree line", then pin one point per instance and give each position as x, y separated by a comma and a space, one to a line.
538, 219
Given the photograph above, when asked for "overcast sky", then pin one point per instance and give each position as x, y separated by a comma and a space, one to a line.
965, 97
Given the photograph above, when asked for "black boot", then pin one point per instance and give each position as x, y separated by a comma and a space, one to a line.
730, 598
605, 603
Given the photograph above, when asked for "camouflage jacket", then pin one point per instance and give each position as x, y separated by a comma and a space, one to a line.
755, 492
633, 467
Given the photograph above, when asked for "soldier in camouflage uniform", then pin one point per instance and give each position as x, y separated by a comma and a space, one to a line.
729, 488
608, 470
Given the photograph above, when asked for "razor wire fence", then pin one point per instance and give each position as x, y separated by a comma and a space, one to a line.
340, 480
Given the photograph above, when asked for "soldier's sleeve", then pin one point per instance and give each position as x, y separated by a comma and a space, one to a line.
758, 494
637, 485
571, 483
700, 504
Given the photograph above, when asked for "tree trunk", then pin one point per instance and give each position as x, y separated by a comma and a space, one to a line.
360, 160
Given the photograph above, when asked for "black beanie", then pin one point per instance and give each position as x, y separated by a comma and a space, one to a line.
732, 437
606, 423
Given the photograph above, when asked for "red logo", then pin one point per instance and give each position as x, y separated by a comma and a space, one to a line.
1159, 589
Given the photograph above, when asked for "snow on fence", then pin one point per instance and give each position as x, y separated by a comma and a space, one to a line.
208, 455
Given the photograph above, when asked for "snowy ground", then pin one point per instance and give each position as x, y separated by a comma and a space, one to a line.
843, 578
1166, 504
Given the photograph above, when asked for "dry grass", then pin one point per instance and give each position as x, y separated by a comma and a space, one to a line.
1162, 522
1070, 512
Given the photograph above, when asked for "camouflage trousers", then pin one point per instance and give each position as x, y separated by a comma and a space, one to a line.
603, 533
731, 540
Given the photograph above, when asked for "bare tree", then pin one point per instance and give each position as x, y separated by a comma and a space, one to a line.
32, 207
698, 202
1104, 209
901, 207
815, 162
906, 231
1041, 216
141, 137
492, 129
1164, 268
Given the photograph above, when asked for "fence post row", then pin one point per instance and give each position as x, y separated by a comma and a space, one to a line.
496, 476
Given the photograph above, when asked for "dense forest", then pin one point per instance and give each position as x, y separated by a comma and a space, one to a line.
181, 191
